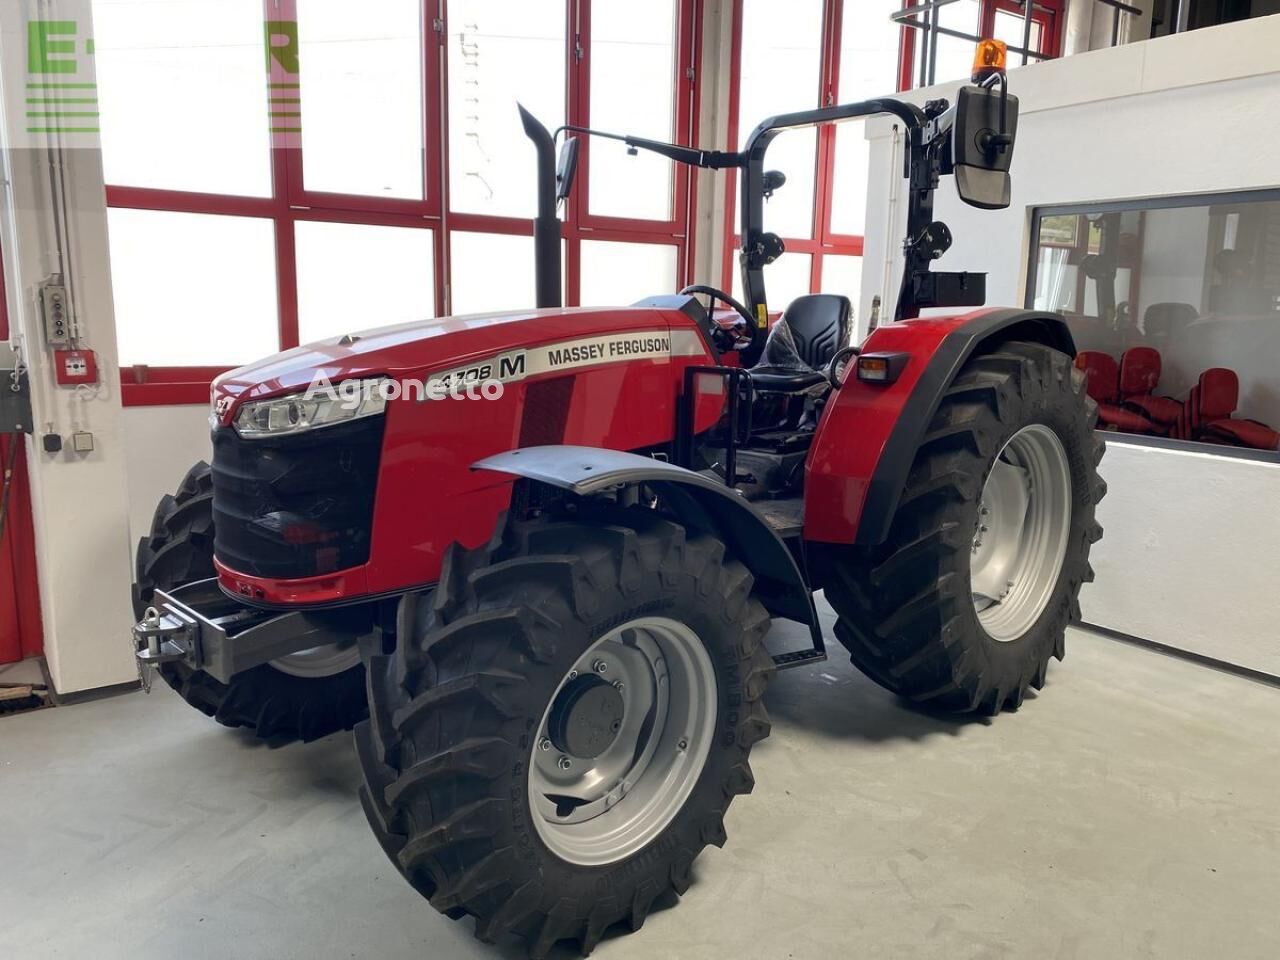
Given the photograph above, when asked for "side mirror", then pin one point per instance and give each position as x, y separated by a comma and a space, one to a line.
982, 136
566, 167
772, 180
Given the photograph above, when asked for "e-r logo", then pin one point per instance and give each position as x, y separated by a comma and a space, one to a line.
45, 54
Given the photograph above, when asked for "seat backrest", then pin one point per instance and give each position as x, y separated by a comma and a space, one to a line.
819, 325
1168, 319
1139, 371
1102, 375
1219, 394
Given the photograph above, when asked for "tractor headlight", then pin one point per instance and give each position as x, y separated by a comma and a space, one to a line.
316, 408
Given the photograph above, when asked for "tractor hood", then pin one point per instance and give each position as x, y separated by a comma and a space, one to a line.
421, 347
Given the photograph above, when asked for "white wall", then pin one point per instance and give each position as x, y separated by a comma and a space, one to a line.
160, 444
1193, 113
1189, 554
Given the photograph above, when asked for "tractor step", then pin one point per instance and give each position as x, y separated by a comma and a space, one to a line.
798, 658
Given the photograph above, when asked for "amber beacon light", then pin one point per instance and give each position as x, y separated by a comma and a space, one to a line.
989, 58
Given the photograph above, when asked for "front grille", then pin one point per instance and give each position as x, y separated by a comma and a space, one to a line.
297, 506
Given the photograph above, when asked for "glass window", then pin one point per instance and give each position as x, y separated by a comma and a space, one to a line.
1177, 309
501, 52
361, 76
868, 68
632, 91
955, 56
354, 277
617, 274
183, 95
491, 271
781, 63
1009, 27
191, 289
785, 279
843, 275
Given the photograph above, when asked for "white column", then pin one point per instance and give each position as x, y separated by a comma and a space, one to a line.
79, 499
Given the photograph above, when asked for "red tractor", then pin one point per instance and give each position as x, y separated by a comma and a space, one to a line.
540, 586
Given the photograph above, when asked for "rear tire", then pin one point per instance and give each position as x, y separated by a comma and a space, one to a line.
907, 610
272, 703
451, 750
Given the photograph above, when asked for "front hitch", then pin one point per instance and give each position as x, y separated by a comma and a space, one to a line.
203, 628
161, 638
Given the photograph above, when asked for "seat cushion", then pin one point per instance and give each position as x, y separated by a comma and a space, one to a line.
1109, 415
1248, 433
1161, 409
781, 380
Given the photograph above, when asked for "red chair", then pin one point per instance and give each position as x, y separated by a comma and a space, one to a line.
1139, 377
1102, 383
1207, 414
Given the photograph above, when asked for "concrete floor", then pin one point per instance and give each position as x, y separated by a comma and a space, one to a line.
1130, 811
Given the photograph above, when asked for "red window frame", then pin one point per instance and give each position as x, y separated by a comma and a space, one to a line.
1050, 14
824, 240
291, 201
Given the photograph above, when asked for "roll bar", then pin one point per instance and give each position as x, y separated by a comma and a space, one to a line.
982, 147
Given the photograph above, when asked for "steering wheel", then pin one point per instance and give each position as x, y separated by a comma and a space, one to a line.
714, 294
834, 367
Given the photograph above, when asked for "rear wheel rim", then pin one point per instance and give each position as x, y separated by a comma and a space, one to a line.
595, 811
315, 663
1020, 538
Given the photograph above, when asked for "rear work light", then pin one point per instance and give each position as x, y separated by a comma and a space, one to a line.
881, 367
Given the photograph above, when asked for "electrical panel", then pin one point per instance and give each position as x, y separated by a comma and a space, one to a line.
57, 318
71, 368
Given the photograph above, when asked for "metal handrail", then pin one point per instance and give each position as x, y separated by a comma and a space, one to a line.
924, 17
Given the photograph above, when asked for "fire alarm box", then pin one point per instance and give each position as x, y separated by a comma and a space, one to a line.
74, 367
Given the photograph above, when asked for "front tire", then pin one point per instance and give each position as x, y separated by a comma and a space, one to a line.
956, 609
463, 785
303, 696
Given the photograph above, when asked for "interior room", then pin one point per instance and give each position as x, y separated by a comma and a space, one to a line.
501, 478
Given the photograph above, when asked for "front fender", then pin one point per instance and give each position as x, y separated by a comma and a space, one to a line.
702, 504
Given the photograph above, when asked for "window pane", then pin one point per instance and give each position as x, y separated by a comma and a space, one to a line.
361, 77
477, 258
500, 52
955, 56
354, 277
192, 289
632, 91
1009, 29
784, 280
868, 68
781, 64
1197, 285
617, 274
843, 275
183, 95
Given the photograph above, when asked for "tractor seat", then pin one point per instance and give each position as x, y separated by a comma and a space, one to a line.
777, 380
802, 343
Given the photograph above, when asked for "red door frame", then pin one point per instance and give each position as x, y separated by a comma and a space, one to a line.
21, 633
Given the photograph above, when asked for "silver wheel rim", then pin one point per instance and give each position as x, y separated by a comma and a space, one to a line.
597, 811
1020, 540
316, 662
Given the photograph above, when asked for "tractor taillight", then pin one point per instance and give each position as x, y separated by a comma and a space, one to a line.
881, 367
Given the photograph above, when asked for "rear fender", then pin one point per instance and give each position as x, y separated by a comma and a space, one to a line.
701, 503
869, 434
